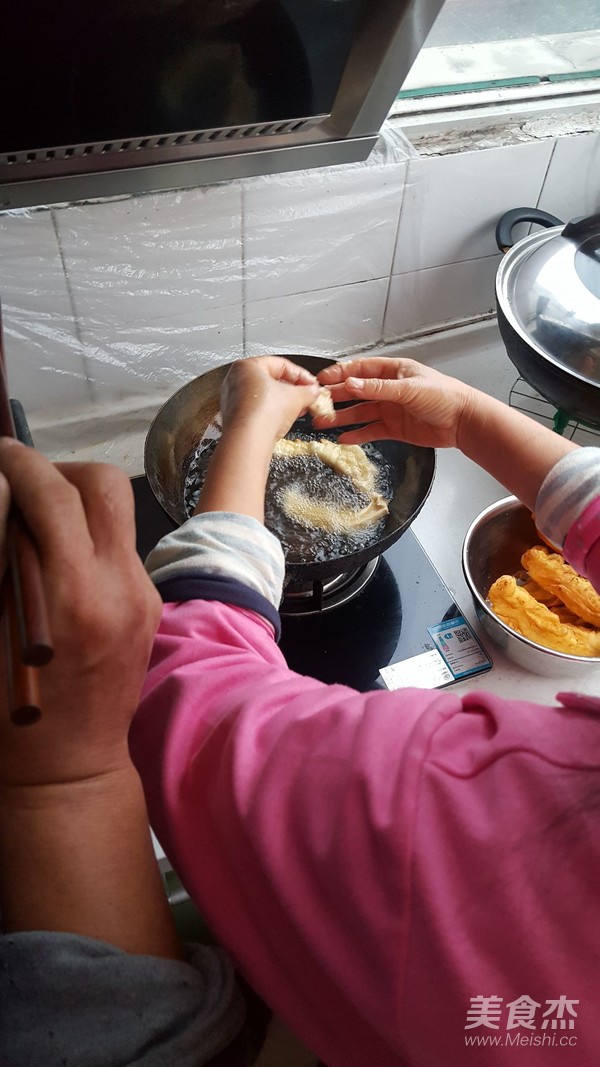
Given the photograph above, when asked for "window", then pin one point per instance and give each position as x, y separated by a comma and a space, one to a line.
524, 48
486, 43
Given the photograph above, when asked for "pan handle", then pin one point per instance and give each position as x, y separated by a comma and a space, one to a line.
579, 229
507, 222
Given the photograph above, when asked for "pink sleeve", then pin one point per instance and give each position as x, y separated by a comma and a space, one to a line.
304, 818
582, 544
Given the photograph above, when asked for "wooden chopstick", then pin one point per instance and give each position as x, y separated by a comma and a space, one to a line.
26, 631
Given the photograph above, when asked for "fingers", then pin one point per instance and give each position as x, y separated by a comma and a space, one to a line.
4, 509
51, 507
107, 499
375, 431
286, 371
349, 416
71, 509
277, 367
375, 390
370, 367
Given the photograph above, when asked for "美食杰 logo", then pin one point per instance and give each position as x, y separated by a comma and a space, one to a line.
523, 1021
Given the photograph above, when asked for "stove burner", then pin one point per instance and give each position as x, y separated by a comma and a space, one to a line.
313, 598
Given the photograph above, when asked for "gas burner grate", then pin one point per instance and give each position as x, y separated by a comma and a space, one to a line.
313, 598
524, 398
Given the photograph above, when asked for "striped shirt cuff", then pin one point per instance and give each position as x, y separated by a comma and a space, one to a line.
568, 489
221, 544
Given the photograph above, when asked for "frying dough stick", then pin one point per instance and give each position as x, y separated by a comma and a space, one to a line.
328, 516
349, 460
550, 571
522, 612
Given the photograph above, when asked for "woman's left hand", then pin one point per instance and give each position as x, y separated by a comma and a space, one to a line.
266, 391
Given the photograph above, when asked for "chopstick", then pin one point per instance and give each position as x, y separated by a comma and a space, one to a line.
26, 631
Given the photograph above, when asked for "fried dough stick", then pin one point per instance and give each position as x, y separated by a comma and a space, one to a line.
523, 613
552, 602
550, 571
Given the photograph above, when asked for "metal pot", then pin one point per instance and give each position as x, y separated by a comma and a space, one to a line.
548, 300
180, 425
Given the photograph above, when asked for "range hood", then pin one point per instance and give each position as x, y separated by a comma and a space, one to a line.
127, 96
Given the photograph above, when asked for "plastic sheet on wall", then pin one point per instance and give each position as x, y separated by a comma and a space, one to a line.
110, 301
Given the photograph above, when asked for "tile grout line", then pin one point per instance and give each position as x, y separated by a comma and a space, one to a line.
244, 279
545, 177
391, 274
78, 333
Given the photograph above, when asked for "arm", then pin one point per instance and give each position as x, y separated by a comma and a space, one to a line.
75, 849
401, 399
261, 399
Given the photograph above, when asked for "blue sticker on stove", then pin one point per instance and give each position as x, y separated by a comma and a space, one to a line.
460, 649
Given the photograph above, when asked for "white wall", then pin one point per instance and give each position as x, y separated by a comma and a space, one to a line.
109, 307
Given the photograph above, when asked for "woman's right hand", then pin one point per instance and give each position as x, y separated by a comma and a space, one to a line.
398, 399
103, 614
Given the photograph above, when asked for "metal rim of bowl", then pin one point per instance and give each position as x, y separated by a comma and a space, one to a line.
499, 505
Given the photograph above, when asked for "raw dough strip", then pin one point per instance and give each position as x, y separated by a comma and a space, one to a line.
323, 407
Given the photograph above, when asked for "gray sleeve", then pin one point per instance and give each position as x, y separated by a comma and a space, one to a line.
567, 490
70, 1001
223, 544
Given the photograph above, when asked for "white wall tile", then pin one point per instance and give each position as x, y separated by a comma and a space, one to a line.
440, 295
572, 185
327, 322
44, 362
153, 258
139, 359
451, 203
320, 229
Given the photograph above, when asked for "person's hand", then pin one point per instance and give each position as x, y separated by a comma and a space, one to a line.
398, 399
103, 614
267, 391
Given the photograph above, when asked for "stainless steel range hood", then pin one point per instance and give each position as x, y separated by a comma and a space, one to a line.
163, 94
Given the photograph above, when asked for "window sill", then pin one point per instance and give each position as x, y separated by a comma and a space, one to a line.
516, 113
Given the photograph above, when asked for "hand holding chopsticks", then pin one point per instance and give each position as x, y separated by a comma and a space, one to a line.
26, 633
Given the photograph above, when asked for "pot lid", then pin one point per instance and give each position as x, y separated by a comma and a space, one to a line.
548, 287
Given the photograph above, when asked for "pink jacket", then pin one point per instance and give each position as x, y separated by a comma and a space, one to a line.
407, 878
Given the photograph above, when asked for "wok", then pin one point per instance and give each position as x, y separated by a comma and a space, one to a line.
548, 300
180, 424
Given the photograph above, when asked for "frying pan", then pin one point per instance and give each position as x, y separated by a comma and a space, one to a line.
180, 424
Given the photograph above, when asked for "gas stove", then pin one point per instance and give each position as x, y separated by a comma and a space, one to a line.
390, 623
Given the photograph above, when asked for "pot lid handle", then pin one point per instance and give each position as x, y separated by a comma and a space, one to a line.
581, 228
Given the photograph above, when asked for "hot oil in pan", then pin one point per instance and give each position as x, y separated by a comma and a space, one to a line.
314, 479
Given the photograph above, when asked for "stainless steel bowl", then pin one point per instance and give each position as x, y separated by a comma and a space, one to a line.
494, 544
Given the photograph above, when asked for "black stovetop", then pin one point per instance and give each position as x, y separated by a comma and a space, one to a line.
404, 611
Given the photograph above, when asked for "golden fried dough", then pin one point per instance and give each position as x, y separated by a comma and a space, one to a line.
348, 460
523, 613
328, 516
552, 602
550, 571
